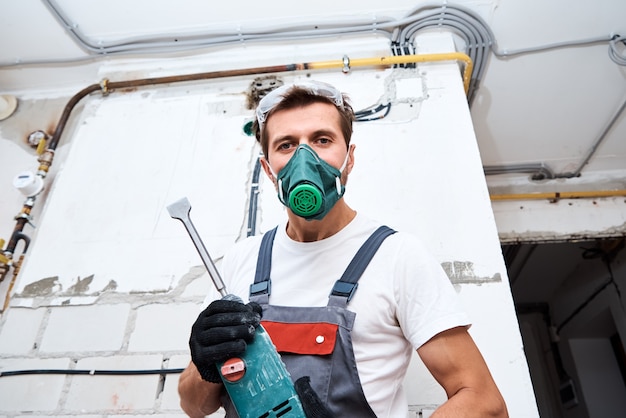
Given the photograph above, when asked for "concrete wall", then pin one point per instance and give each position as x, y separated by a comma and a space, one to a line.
112, 282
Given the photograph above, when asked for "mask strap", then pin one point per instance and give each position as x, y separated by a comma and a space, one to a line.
279, 184
280, 189
338, 179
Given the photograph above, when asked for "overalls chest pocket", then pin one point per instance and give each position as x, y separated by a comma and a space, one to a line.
317, 338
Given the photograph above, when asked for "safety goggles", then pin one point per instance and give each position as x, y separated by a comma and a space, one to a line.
274, 97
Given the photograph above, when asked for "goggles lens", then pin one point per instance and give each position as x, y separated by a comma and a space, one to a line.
274, 97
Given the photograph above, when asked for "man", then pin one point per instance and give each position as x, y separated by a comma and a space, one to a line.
403, 301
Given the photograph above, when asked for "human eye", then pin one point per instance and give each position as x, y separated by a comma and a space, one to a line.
285, 145
323, 140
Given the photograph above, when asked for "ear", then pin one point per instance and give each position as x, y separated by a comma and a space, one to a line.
350, 162
268, 171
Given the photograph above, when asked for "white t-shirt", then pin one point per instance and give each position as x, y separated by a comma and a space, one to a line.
403, 298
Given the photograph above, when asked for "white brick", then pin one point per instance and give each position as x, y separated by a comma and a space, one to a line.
169, 398
200, 285
60, 416
161, 327
85, 328
19, 332
117, 393
37, 392
167, 415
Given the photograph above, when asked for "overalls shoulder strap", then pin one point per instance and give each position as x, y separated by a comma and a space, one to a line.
261, 288
344, 288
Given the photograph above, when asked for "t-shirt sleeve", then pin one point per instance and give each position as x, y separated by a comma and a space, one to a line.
239, 266
427, 301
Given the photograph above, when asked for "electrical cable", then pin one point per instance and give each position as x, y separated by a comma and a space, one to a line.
614, 53
504, 53
199, 40
367, 115
254, 197
590, 253
596, 144
89, 372
465, 23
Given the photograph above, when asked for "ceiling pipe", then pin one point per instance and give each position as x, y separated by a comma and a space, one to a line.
541, 171
596, 144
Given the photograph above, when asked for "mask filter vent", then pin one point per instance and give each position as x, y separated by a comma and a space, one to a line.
305, 200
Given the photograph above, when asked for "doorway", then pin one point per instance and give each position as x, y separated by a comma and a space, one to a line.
570, 307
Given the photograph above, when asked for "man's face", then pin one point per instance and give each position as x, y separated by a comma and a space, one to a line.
316, 125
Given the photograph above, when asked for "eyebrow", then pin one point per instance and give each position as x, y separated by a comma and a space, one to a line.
317, 133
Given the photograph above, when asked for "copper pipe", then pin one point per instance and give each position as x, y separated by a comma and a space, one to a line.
16, 271
106, 86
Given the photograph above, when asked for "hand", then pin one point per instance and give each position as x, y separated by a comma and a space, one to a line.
311, 403
222, 331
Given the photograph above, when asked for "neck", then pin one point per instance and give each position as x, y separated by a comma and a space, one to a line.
301, 230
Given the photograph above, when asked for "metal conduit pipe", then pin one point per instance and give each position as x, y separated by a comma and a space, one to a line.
596, 144
539, 171
107, 86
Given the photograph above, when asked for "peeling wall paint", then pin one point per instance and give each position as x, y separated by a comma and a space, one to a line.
463, 272
565, 220
43, 287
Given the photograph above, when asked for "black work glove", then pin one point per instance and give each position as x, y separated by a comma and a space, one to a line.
311, 403
221, 332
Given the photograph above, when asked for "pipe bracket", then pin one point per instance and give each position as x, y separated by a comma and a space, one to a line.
104, 86
346, 64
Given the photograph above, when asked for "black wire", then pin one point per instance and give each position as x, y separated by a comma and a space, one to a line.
89, 372
366, 114
254, 198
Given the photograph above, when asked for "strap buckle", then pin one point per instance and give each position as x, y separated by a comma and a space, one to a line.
344, 289
261, 288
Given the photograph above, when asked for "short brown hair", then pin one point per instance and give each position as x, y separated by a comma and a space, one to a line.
298, 96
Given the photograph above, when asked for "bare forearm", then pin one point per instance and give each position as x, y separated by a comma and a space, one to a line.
455, 362
197, 396
469, 404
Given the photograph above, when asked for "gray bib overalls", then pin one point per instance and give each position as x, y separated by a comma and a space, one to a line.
316, 341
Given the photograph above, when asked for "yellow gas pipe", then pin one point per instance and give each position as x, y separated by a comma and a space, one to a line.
559, 195
347, 63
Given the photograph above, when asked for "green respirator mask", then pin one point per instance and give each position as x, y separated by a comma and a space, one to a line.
308, 185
